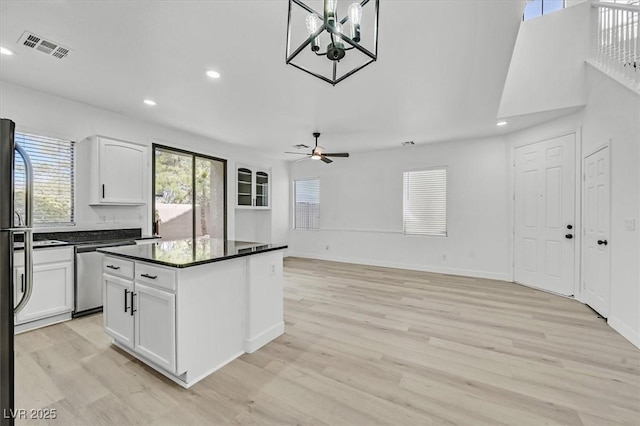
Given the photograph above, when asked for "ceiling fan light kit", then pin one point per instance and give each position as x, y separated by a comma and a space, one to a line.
317, 153
326, 51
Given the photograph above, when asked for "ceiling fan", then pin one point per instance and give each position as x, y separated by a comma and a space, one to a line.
318, 154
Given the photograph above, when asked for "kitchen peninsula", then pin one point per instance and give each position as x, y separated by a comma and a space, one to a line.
188, 307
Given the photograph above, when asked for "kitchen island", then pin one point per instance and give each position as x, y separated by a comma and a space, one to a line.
188, 307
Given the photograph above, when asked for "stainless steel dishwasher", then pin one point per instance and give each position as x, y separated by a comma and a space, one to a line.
88, 277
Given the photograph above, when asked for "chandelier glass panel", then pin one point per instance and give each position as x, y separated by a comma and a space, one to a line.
332, 39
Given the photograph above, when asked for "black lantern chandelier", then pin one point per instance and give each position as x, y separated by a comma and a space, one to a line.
326, 50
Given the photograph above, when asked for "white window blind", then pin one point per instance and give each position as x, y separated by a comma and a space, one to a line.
53, 182
307, 204
425, 202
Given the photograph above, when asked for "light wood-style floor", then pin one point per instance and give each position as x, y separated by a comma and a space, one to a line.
363, 346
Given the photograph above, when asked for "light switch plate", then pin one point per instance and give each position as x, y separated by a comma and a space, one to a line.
630, 224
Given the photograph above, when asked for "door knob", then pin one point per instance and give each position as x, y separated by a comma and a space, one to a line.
568, 236
569, 226
602, 242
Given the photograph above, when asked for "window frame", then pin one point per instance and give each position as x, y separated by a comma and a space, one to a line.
73, 171
446, 199
542, 11
194, 157
294, 204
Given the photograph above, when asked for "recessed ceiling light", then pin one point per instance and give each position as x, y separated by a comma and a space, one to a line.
501, 123
150, 102
5, 51
213, 74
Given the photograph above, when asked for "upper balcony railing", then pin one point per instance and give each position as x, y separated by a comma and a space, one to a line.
616, 48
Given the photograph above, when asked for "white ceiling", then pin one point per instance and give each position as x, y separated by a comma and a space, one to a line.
439, 76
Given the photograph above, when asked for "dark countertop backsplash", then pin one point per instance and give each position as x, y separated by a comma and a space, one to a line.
85, 236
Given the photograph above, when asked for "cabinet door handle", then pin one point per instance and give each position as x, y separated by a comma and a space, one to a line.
132, 309
103, 190
151, 277
113, 267
21, 283
126, 308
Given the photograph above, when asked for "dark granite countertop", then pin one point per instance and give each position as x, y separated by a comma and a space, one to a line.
43, 239
190, 252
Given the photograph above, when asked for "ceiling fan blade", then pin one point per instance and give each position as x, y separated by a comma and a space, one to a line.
326, 160
297, 153
336, 154
303, 159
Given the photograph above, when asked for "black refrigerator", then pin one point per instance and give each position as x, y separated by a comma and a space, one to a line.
12, 222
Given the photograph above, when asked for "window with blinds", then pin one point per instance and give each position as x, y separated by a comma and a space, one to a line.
53, 183
306, 195
425, 202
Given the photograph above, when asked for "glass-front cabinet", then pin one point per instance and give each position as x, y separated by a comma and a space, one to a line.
245, 187
253, 187
262, 189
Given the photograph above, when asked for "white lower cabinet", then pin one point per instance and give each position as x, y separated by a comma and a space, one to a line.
117, 317
155, 328
141, 318
189, 322
52, 291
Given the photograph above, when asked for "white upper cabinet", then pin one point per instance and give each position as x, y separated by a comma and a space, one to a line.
117, 171
253, 187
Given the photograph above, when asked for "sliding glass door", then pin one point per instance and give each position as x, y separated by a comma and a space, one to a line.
190, 194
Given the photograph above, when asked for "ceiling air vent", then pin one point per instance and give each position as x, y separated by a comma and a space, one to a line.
49, 47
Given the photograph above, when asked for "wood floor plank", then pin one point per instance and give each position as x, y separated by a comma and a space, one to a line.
363, 345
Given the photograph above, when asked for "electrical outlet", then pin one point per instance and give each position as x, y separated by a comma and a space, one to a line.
102, 219
630, 224
273, 269
444, 256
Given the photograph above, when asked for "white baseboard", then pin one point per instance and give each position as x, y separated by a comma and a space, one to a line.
32, 325
255, 343
409, 266
625, 331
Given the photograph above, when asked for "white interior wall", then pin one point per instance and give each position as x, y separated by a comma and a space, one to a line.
51, 115
547, 67
612, 114
361, 209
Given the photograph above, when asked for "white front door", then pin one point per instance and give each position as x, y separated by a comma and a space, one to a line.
545, 215
596, 226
